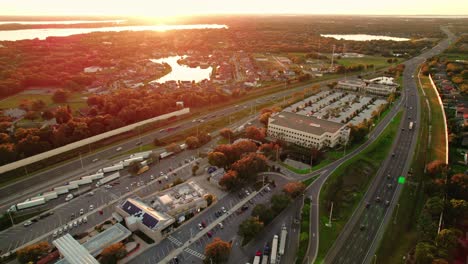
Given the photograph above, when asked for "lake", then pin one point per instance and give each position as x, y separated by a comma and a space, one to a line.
362, 37
182, 72
13, 35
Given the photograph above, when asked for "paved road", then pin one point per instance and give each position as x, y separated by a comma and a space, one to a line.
73, 169
360, 237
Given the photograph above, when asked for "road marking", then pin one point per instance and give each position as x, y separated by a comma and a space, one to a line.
195, 253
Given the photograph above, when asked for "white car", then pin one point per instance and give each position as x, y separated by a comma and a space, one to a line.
152, 177
60, 231
75, 223
223, 209
54, 234
81, 211
200, 226
80, 221
70, 225
91, 207
27, 223
65, 227
118, 149
85, 219
96, 159
108, 186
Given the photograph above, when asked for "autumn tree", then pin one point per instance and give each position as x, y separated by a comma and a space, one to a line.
434, 206
209, 199
60, 96
63, 115
226, 133
263, 212
195, 169
229, 180
203, 138
447, 239
255, 133
269, 149
435, 167
425, 253
250, 228
48, 114
112, 253
217, 251
294, 189
173, 147
264, 118
192, 142
33, 252
4, 138
217, 159
133, 167
249, 165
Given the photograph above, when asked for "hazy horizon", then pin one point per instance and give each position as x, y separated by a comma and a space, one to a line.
223, 7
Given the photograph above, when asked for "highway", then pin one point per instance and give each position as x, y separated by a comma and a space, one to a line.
361, 235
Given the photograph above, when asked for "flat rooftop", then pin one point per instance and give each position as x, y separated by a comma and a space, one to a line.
178, 195
307, 124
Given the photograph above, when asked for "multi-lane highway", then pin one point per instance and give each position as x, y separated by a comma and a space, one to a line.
361, 235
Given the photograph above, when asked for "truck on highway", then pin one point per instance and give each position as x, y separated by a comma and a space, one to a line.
282, 244
265, 259
274, 249
72, 186
144, 154
27, 204
61, 189
93, 177
108, 179
81, 182
111, 168
183, 146
129, 161
256, 260
49, 195
142, 169
165, 154
410, 125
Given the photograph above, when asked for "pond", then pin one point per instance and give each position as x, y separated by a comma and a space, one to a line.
362, 37
182, 72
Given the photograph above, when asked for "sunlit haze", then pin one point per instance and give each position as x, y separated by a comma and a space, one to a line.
193, 7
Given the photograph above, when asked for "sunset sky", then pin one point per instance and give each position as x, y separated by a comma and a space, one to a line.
157, 8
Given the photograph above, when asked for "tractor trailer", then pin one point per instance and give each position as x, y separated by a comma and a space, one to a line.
108, 179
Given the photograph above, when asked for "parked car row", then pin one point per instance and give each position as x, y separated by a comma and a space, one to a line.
69, 226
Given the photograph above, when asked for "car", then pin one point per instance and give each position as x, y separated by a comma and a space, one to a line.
91, 207
377, 199
244, 207
54, 234
389, 186
258, 253
94, 160
221, 225
152, 177
80, 221
81, 211
387, 203
203, 223
247, 192
27, 223
223, 209
60, 231
85, 219
389, 176
161, 130
90, 194
165, 177
118, 149
75, 223
70, 225
72, 216
393, 154
367, 205
65, 227
237, 106
193, 121
402, 129
362, 227
209, 234
200, 226
138, 143
108, 186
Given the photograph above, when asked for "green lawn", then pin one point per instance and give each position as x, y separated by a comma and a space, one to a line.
348, 183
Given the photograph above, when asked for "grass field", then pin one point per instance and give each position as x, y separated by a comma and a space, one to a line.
75, 100
348, 184
400, 236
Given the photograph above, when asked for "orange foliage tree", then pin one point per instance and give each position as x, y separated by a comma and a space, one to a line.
217, 251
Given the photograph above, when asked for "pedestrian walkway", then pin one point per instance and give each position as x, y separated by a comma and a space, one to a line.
175, 241
195, 253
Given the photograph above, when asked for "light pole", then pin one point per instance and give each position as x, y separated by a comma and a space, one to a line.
81, 161
396, 214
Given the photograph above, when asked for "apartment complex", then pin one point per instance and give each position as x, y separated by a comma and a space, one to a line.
307, 131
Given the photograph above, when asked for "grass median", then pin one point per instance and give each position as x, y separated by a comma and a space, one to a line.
348, 184
304, 233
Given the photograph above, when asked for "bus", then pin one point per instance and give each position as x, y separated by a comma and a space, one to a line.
282, 245
274, 249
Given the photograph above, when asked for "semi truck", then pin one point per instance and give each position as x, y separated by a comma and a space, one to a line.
256, 260
61, 189
265, 259
111, 168
282, 244
144, 155
72, 186
108, 179
274, 249
81, 182
410, 125
129, 161
49, 195
27, 204
93, 177
165, 154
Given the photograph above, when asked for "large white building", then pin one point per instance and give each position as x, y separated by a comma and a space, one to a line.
379, 86
307, 131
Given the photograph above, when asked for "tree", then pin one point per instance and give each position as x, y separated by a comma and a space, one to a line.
434, 206
209, 199
192, 142
204, 138
458, 210
227, 133
279, 202
195, 169
134, 167
60, 96
173, 147
48, 114
263, 212
250, 228
33, 252
4, 138
255, 133
31, 115
435, 167
264, 118
217, 251
63, 115
294, 189
248, 166
229, 180
448, 239
112, 253
425, 253
157, 142
217, 159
